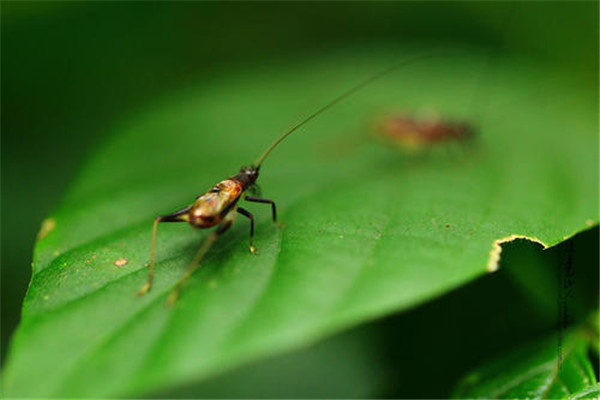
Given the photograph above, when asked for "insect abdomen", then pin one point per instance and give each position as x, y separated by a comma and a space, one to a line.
210, 208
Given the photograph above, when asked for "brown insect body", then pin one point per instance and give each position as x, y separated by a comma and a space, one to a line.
212, 207
412, 132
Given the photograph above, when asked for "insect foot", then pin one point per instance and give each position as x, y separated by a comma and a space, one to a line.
144, 289
173, 296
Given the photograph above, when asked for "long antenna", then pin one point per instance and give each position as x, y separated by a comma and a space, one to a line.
344, 95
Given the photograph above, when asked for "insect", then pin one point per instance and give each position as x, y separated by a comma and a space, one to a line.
219, 206
414, 132
424, 130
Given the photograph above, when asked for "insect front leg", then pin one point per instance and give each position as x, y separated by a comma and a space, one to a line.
193, 265
255, 190
265, 201
248, 214
177, 216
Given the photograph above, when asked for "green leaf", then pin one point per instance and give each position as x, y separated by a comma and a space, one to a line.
591, 392
555, 368
352, 362
369, 230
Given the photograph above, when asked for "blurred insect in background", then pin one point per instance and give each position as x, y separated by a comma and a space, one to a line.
426, 129
219, 206
419, 132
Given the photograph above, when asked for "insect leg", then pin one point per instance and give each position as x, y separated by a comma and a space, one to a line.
193, 265
177, 216
265, 201
246, 213
255, 190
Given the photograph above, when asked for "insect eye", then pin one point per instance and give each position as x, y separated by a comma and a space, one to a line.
215, 189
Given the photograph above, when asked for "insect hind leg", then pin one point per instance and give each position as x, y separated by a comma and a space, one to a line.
195, 263
177, 216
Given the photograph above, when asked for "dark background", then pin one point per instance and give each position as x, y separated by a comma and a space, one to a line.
72, 70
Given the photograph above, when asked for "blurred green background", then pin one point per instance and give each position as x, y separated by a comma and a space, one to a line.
73, 70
